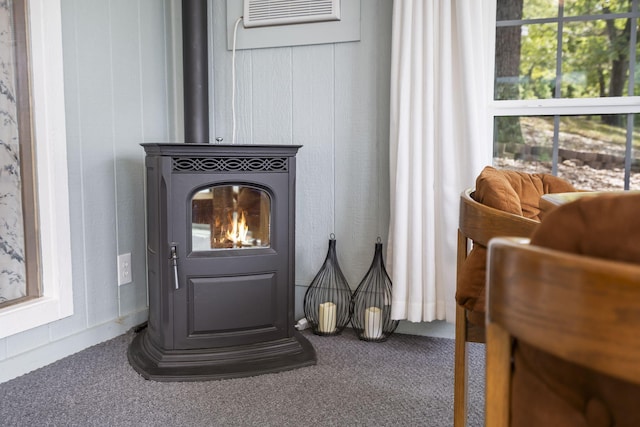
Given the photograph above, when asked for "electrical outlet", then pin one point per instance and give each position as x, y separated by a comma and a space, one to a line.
124, 269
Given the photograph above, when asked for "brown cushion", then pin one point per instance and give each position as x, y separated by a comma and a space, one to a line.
517, 192
605, 226
546, 389
510, 191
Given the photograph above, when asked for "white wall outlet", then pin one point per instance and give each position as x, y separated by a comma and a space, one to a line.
124, 269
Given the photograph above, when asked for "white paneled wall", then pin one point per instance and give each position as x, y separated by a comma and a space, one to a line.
116, 87
119, 71
334, 100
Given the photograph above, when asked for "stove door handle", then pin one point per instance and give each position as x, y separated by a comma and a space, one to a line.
174, 263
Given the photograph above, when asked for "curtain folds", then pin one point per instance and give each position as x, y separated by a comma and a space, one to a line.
439, 142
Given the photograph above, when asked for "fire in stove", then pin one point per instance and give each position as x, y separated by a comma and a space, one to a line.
237, 232
230, 217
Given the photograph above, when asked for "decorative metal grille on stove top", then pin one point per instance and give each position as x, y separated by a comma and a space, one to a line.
231, 164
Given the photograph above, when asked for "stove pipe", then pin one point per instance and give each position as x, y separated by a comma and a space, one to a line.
195, 71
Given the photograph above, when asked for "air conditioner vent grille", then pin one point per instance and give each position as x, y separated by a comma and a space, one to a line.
259, 13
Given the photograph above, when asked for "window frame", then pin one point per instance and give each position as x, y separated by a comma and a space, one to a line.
48, 108
550, 106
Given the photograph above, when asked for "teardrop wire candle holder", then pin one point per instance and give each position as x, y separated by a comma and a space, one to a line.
328, 298
370, 306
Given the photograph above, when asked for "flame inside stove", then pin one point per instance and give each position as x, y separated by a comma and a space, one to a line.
237, 230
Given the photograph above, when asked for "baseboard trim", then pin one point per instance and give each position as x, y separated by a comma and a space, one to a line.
44, 355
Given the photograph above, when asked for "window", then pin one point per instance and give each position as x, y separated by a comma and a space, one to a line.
19, 250
51, 185
567, 90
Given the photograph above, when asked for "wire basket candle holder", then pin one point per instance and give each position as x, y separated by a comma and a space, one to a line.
370, 306
327, 300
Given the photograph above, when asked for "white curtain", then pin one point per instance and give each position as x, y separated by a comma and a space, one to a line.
439, 141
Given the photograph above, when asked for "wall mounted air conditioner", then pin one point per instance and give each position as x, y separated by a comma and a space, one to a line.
260, 13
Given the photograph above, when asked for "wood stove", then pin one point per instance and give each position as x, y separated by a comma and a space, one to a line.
220, 246
221, 263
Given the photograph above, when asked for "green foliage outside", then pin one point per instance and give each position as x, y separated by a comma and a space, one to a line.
592, 51
594, 63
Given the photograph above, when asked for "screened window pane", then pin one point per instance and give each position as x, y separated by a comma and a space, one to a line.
569, 49
524, 143
508, 44
590, 153
509, 10
526, 61
595, 59
594, 50
636, 85
595, 7
538, 61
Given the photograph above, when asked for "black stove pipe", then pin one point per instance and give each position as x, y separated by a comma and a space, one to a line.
195, 71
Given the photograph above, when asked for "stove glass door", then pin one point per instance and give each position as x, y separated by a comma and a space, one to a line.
230, 217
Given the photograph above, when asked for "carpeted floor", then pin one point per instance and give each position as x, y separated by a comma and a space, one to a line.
405, 381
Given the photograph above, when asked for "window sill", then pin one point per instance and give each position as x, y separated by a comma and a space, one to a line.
37, 312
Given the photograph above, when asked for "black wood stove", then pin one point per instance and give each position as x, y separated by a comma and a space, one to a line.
221, 263
220, 246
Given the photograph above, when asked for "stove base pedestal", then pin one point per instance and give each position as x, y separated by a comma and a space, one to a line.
154, 363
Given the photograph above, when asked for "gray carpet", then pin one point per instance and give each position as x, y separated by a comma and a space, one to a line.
405, 381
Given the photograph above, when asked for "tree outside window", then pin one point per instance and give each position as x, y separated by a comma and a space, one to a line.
555, 62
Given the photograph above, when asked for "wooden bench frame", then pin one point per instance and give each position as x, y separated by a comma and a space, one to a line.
581, 309
477, 223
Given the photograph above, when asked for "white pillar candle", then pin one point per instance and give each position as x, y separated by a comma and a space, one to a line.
373, 323
327, 317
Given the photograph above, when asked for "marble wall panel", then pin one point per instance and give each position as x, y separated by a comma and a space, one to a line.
12, 263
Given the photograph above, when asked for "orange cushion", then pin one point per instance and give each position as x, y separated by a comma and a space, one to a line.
605, 226
510, 191
517, 192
